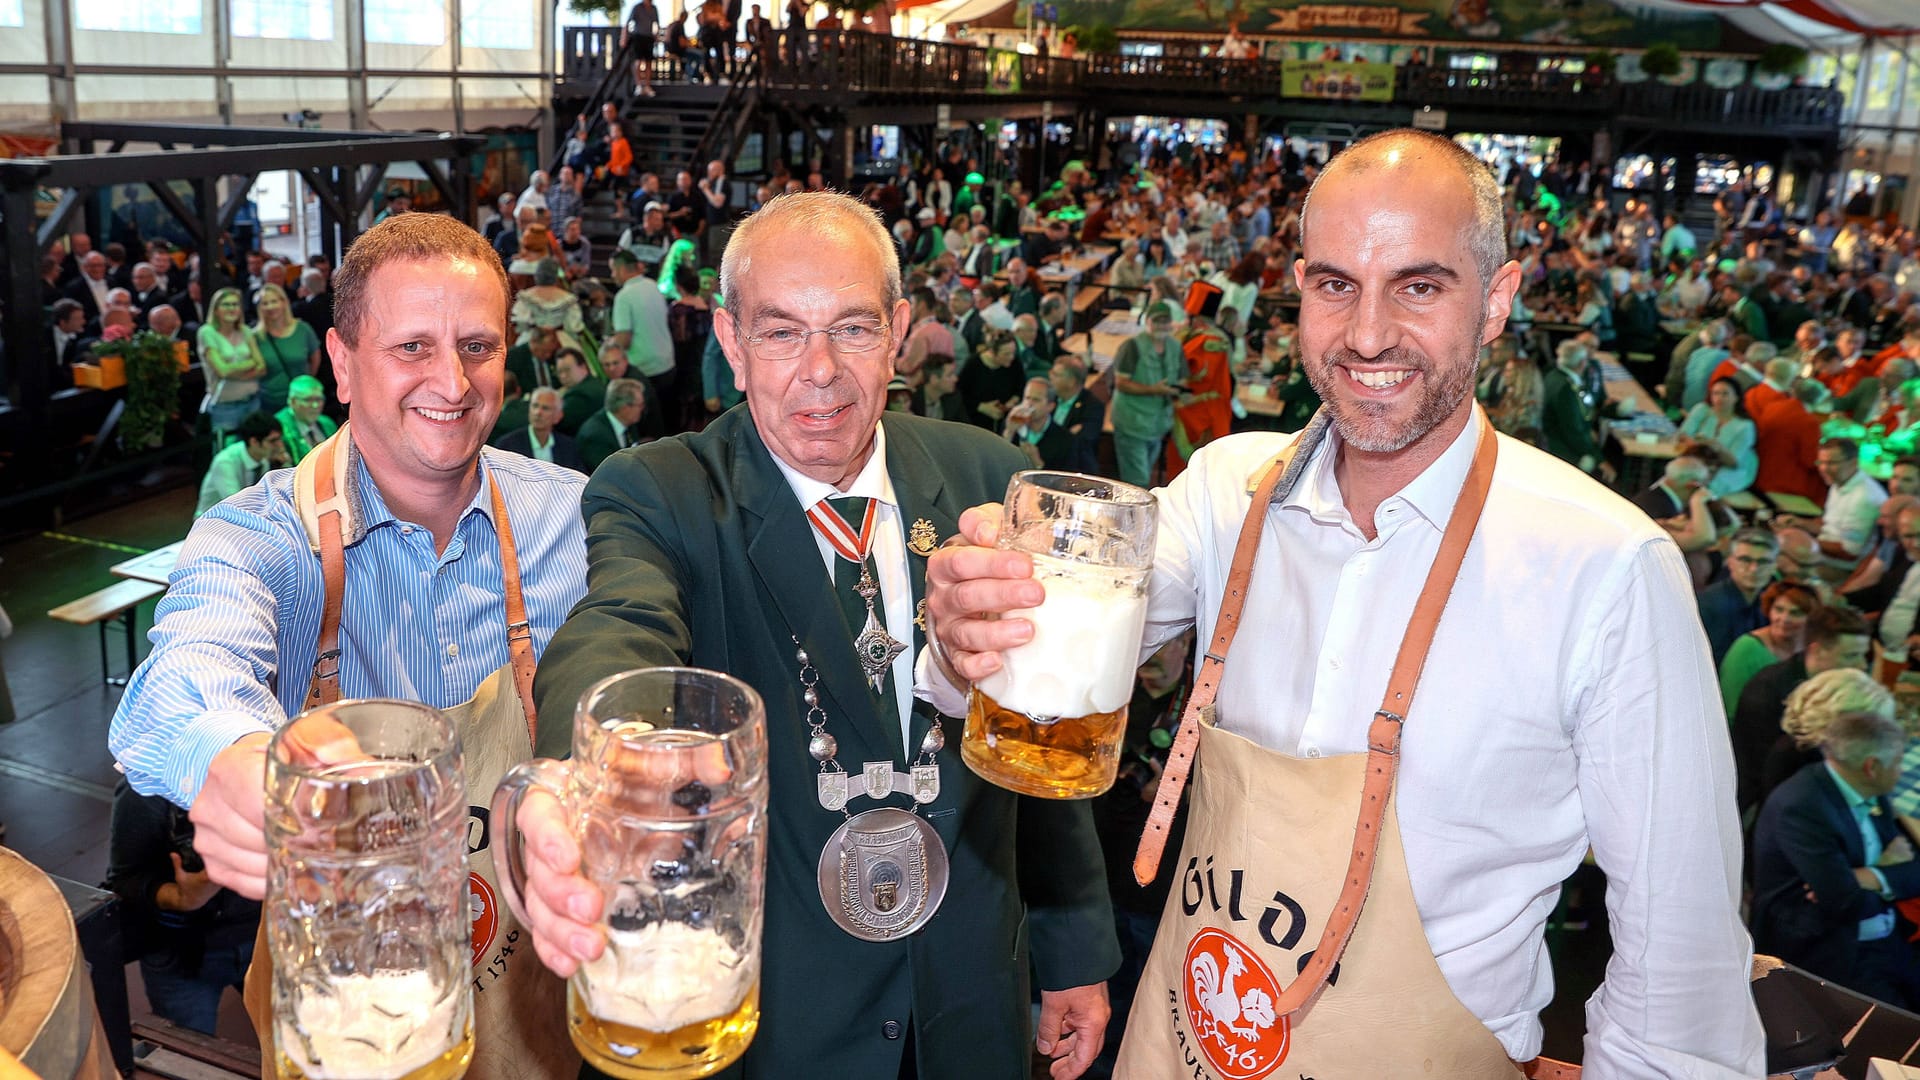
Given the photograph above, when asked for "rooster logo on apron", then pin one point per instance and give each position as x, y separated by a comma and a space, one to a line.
1230, 995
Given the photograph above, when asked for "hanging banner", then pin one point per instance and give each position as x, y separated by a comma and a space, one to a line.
1576, 25
1003, 71
1336, 81
1309, 18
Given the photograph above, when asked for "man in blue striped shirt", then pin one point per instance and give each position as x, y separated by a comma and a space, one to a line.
419, 345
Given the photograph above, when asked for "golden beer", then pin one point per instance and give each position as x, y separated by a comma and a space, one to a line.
694, 1050
1074, 757
448, 1066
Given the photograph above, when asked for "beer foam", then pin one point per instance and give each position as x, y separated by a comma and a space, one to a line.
1085, 647
372, 1027
665, 976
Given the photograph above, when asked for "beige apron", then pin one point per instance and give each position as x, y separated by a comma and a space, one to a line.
1238, 986
519, 1007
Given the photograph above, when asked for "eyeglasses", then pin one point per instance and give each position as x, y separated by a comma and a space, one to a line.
787, 342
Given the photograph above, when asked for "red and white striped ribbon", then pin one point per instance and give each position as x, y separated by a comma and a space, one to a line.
828, 522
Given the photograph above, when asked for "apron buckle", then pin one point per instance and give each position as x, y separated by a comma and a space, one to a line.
523, 628
1384, 736
321, 669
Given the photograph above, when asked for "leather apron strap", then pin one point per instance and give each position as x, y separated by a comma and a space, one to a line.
323, 687
1383, 734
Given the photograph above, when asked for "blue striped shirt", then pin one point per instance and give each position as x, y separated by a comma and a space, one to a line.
234, 639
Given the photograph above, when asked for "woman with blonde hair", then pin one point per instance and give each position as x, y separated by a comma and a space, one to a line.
231, 361
1518, 394
1810, 708
288, 346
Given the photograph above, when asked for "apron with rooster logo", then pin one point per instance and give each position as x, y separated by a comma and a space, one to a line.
1237, 986
519, 1011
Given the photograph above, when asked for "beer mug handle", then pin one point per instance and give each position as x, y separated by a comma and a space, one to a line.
546, 774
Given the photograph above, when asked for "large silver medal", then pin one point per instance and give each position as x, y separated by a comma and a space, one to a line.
883, 874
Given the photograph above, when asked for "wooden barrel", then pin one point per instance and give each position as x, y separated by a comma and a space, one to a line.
47, 1018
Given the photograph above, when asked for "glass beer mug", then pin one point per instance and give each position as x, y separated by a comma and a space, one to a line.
1051, 721
667, 794
367, 895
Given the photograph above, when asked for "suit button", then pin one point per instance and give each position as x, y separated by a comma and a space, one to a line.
891, 1029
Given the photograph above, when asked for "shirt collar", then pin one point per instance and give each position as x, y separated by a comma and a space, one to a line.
1431, 494
872, 483
375, 509
1855, 801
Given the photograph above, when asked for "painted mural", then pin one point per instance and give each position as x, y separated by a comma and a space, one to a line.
1576, 23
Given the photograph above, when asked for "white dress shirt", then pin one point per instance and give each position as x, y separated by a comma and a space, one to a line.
540, 451
1851, 512
889, 562
1568, 701
1896, 623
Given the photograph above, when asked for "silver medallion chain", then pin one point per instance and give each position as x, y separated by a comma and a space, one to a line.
878, 778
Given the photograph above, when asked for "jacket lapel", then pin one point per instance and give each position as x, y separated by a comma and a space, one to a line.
784, 555
922, 492
1843, 815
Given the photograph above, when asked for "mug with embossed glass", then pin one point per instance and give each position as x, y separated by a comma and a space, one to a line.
1050, 721
366, 904
667, 794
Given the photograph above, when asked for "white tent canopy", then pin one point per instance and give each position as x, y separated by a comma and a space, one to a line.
1817, 24
960, 11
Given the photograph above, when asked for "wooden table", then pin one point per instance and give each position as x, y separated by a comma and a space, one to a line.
1789, 503
1257, 398
1638, 445
154, 566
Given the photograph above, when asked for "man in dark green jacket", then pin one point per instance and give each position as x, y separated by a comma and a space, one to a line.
1564, 421
700, 552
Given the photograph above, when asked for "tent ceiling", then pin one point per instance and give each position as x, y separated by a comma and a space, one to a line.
1821, 24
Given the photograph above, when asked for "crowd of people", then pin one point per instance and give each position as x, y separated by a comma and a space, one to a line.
1755, 337
698, 551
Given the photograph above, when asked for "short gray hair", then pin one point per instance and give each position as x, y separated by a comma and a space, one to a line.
1487, 241
1687, 469
546, 391
624, 392
809, 212
1854, 737
1755, 537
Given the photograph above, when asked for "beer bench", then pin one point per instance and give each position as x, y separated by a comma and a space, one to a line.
119, 601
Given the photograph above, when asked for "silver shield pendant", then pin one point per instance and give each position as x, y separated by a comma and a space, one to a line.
883, 874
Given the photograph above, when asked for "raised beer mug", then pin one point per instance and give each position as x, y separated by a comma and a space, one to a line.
1051, 721
667, 794
367, 895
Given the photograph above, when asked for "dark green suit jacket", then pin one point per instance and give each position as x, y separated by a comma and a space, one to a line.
579, 402
698, 553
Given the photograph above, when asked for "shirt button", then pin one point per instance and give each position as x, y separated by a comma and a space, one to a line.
1333, 664
406, 530
453, 649
1313, 751
891, 1029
